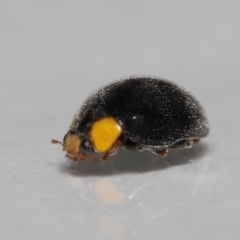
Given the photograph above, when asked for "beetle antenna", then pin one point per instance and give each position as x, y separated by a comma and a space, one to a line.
56, 141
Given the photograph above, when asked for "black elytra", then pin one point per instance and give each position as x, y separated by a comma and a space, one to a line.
153, 113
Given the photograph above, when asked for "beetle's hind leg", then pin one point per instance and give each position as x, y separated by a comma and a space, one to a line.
187, 143
163, 152
196, 141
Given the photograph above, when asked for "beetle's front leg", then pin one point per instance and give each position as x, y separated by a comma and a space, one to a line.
112, 150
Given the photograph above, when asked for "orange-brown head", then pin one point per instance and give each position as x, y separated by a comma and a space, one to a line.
71, 144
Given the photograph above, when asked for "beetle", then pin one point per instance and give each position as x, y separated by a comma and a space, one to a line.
137, 113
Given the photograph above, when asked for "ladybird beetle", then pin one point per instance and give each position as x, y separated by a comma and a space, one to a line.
137, 113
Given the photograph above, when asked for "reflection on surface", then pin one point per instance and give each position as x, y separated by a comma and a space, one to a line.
110, 228
109, 193
135, 189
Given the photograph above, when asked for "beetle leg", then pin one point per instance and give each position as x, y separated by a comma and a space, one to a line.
73, 158
105, 156
163, 152
192, 142
77, 158
82, 157
93, 158
112, 150
187, 143
196, 141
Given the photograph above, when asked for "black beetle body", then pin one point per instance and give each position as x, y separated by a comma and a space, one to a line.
151, 113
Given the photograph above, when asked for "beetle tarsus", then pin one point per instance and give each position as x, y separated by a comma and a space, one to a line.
163, 152
196, 141
105, 156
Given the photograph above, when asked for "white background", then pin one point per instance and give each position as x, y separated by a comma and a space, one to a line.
53, 55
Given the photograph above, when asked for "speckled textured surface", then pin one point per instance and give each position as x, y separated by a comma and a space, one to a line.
53, 55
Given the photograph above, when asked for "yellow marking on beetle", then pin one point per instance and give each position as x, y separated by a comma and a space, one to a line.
104, 134
72, 144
